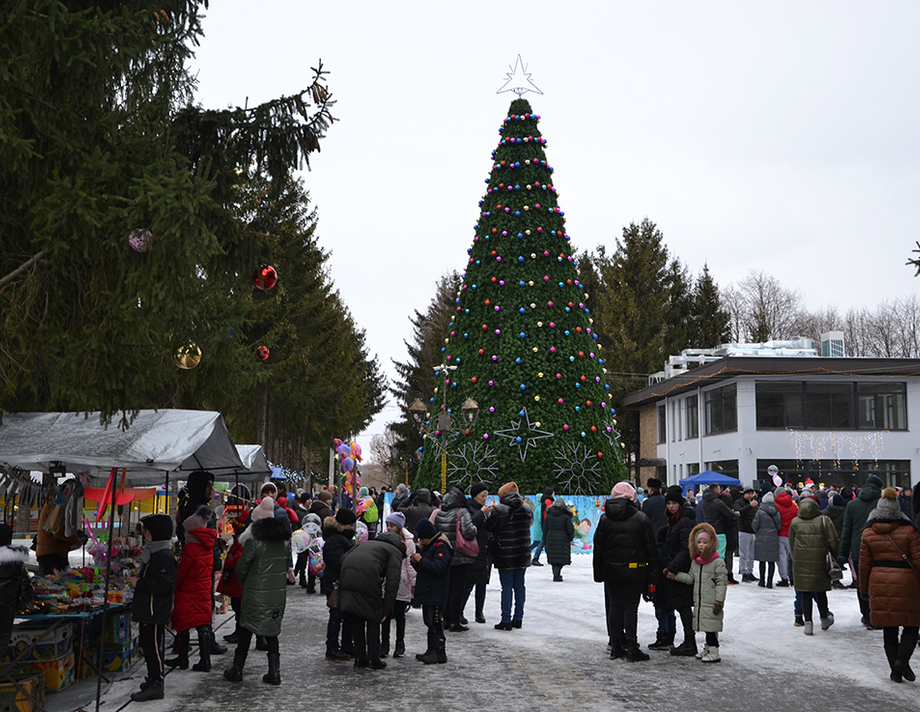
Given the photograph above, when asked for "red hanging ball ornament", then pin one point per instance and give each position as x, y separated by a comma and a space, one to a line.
263, 353
265, 277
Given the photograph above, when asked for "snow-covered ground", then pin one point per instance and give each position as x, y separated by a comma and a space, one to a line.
558, 660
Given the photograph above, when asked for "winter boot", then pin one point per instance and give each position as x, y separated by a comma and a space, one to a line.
181, 659
152, 691
204, 650
480, 604
799, 621
827, 621
400, 650
634, 654
376, 664
703, 653
234, 673
433, 657
663, 642
303, 579
809, 628
385, 647
216, 648
422, 656
712, 655
273, 676
685, 649
336, 654
903, 667
783, 583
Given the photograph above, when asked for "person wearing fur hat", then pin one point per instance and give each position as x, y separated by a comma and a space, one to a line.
396, 523
153, 601
264, 569
672, 595
15, 586
766, 525
338, 538
229, 584
481, 569
193, 599
855, 517
889, 559
432, 563
625, 557
368, 586
811, 536
510, 521
709, 578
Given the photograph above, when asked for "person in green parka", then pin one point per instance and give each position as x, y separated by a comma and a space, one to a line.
558, 533
264, 569
811, 537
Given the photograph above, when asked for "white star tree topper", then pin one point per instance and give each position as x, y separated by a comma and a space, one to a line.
519, 80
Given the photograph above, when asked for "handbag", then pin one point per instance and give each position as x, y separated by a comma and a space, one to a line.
833, 568
464, 546
334, 599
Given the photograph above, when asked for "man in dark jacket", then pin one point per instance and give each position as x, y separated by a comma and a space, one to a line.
419, 506
338, 540
432, 586
153, 601
719, 515
854, 521
320, 505
625, 553
510, 521
367, 569
654, 505
746, 506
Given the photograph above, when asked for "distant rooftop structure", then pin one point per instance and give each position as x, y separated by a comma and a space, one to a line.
832, 344
688, 358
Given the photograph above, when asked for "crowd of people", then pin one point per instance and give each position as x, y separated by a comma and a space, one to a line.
435, 552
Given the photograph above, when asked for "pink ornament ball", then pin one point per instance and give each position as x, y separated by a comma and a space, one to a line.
140, 240
559, 401
485, 436
565, 427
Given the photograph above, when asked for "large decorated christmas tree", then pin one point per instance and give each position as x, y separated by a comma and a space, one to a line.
521, 344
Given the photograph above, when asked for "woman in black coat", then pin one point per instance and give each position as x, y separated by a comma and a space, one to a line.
672, 595
481, 568
624, 552
558, 533
338, 537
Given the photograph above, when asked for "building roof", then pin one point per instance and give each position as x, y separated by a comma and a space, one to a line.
734, 366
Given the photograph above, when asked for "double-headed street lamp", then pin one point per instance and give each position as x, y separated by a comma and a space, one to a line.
445, 424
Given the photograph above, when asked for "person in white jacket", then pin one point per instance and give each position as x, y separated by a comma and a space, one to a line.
396, 523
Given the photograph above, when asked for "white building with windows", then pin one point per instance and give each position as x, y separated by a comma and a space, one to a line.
834, 420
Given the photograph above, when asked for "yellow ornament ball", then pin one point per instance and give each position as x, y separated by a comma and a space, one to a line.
530, 283
187, 356
540, 374
536, 398
539, 323
526, 232
533, 306
533, 255
535, 349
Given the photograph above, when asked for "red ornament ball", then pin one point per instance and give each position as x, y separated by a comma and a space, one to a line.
265, 277
263, 353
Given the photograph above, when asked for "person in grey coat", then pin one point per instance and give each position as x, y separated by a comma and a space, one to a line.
368, 569
766, 526
453, 509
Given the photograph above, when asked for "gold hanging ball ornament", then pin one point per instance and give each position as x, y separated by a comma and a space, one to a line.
538, 424
187, 356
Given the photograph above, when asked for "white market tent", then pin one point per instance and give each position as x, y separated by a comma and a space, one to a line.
257, 467
157, 444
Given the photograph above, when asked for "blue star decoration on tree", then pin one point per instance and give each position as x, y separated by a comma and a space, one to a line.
523, 436
519, 80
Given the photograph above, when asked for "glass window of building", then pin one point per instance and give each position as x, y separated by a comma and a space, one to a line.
721, 410
693, 416
662, 423
882, 406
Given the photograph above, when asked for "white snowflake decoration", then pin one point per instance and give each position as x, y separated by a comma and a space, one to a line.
473, 463
577, 469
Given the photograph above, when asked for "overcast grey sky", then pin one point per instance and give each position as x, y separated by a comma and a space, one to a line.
774, 136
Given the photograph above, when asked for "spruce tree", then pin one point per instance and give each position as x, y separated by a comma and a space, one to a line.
522, 343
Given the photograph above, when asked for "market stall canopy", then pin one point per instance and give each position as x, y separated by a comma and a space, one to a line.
257, 467
156, 443
709, 477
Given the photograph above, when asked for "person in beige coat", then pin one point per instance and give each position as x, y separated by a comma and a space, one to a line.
889, 561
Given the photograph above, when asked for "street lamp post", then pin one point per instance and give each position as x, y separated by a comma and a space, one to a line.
445, 424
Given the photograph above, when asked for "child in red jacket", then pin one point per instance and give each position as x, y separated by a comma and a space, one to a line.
228, 584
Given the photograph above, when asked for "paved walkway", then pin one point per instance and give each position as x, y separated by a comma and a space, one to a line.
558, 660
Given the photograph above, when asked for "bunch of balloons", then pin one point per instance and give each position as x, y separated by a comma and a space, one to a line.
349, 455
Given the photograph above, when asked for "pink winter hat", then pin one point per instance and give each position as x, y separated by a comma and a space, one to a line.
265, 510
623, 489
